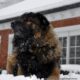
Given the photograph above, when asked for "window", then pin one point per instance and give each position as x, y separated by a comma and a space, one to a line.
75, 49
72, 50
70, 41
64, 49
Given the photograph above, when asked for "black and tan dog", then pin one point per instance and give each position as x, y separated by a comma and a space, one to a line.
36, 48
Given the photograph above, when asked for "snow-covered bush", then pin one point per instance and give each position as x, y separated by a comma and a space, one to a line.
66, 69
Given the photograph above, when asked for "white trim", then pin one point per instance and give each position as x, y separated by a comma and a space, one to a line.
68, 49
66, 14
67, 28
71, 30
10, 38
5, 25
63, 31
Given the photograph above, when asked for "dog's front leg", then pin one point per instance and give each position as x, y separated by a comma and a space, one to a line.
55, 75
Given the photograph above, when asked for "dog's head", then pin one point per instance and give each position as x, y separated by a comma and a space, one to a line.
29, 28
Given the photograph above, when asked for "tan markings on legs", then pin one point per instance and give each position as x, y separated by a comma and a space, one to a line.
55, 75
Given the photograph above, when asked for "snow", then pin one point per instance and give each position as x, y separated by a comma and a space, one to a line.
70, 76
74, 72
32, 5
11, 77
71, 68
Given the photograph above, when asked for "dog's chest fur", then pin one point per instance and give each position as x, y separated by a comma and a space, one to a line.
35, 60
33, 67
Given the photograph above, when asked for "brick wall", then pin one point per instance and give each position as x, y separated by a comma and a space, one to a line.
66, 22
4, 46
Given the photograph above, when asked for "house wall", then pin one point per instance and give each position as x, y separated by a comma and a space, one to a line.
5, 30
65, 18
66, 14
67, 27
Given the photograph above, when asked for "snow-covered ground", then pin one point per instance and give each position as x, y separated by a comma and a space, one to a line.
74, 74
71, 76
11, 77
71, 68
62, 77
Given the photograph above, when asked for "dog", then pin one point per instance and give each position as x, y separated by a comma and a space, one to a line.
36, 48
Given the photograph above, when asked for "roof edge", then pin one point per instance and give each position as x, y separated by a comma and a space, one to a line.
67, 7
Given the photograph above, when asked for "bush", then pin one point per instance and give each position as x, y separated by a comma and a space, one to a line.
64, 72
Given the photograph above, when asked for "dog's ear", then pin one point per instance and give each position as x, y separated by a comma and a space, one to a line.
13, 25
43, 19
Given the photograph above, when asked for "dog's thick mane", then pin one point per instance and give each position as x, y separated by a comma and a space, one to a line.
35, 56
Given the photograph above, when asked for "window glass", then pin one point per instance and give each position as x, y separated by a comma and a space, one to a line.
72, 41
63, 61
72, 61
78, 61
78, 52
72, 52
64, 41
61, 40
70, 48
78, 40
64, 53
74, 49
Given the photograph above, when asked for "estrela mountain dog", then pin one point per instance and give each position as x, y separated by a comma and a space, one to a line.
36, 49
